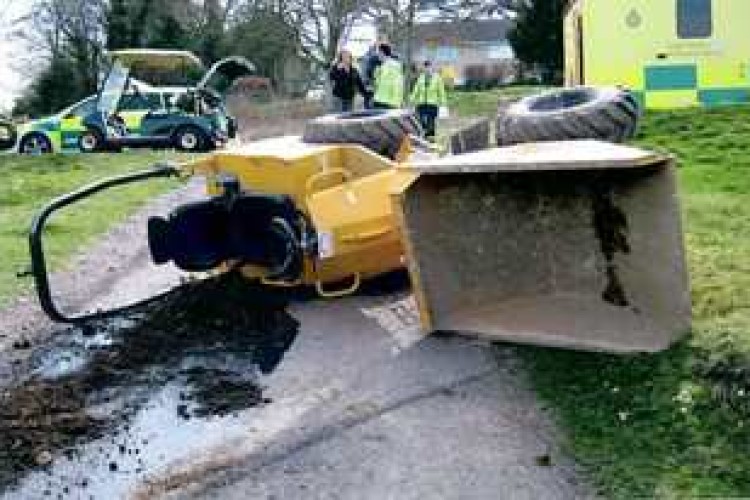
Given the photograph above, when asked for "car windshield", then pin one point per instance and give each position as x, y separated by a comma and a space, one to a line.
82, 109
140, 101
113, 88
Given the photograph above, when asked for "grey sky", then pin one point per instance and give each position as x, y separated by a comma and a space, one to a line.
11, 82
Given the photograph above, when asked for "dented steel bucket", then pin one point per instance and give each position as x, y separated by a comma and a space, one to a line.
569, 244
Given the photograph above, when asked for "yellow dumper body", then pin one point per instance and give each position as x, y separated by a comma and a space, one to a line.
345, 190
574, 244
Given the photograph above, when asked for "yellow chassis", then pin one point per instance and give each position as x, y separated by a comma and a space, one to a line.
574, 244
511, 243
347, 192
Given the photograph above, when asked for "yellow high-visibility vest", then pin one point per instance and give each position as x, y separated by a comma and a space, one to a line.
429, 89
389, 84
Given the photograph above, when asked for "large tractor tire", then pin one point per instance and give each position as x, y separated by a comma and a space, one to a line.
609, 114
8, 135
378, 130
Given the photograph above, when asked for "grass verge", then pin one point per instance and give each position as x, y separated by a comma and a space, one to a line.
485, 103
674, 424
30, 182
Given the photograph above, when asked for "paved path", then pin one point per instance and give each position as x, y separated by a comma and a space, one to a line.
355, 415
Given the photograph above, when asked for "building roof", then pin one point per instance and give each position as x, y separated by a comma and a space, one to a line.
489, 30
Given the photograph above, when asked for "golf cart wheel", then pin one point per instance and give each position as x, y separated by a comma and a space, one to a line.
190, 139
35, 144
380, 131
605, 113
90, 141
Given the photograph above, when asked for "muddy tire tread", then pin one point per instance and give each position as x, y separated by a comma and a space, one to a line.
379, 133
610, 114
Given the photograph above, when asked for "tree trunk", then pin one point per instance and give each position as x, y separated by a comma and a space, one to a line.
409, 45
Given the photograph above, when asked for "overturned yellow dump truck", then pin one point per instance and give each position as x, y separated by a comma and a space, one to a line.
573, 244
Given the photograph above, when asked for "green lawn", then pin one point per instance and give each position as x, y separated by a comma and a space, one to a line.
29, 182
675, 424
469, 104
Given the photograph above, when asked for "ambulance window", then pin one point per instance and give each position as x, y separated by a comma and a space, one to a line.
694, 18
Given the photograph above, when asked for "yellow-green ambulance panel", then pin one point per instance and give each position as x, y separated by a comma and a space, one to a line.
671, 52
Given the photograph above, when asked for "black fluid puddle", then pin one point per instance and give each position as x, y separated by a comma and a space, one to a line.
109, 403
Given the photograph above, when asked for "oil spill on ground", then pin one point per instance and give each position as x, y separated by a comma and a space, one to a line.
107, 402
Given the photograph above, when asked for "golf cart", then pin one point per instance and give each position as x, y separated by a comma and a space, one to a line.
196, 121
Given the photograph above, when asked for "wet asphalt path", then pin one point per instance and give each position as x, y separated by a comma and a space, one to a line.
357, 415
349, 412
343, 409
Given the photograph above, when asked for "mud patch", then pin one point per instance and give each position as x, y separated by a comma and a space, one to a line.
207, 343
611, 226
218, 392
38, 418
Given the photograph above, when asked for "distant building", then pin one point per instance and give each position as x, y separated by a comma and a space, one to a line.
469, 52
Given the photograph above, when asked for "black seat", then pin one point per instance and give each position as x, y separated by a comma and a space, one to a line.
254, 229
262, 231
194, 236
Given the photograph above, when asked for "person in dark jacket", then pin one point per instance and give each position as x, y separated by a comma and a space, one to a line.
369, 65
346, 82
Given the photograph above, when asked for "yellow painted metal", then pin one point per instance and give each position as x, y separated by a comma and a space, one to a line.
482, 259
55, 137
356, 281
284, 165
667, 99
157, 59
418, 289
621, 39
133, 119
357, 226
72, 123
343, 189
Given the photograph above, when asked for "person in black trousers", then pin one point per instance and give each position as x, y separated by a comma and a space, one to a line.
346, 82
428, 96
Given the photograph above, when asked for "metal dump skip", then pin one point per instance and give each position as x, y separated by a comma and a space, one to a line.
570, 244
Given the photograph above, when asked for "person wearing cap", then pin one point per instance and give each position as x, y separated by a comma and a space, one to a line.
345, 81
389, 81
428, 97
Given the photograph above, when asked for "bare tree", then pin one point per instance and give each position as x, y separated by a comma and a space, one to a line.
398, 18
321, 24
71, 29
451, 10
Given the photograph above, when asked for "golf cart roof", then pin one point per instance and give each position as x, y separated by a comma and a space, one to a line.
143, 86
214, 82
157, 59
229, 69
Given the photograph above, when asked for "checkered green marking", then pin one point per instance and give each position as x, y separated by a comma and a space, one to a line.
639, 97
69, 140
717, 97
671, 77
